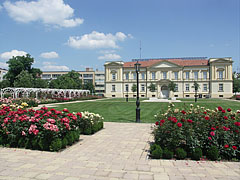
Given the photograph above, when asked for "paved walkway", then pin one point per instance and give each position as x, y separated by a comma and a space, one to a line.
117, 152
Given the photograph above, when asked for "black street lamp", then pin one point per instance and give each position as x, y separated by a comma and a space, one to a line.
127, 94
137, 68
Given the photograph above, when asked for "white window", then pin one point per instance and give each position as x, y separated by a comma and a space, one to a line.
187, 87
134, 76
187, 75
164, 75
220, 87
176, 88
127, 76
143, 75
153, 75
113, 88
126, 87
205, 75
195, 75
176, 75
142, 87
113, 76
204, 87
220, 74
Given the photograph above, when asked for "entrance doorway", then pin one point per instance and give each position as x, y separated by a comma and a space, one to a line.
164, 92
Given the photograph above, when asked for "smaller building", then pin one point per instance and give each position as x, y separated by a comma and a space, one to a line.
2, 73
99, 82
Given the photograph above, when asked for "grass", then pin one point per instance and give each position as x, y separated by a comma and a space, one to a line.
118, 110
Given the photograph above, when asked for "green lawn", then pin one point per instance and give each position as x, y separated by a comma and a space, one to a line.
118, 110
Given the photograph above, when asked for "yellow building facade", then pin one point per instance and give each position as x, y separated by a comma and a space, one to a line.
213, 75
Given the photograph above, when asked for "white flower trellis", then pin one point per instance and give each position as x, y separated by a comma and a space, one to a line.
17, 92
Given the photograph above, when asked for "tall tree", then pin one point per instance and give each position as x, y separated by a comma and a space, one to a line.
152, 87
18, 64
89, 86
40, 83
24, 79
236, 82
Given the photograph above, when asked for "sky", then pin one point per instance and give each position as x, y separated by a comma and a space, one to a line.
69, 35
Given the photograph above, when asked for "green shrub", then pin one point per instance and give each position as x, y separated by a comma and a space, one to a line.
167, 154
213, 153
43, 144
196, 154
70, 137
157, 152
181, 153
152, 147
64, 142
56, 145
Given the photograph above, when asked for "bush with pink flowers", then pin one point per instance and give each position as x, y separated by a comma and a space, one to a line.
43, 129
197, 127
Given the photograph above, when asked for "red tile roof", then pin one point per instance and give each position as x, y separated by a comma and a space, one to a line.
180, 62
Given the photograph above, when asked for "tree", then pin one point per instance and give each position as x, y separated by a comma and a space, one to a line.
134, 88
4, 84
67, 81
18, 64
196, 87
152, 87
89, 86
236, 82
24, 79
172, 86
40, 83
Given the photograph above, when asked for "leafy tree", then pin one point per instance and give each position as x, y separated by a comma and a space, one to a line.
172, 86
89, 86
134, 88
67, 81
4, 84
40, 83
152, 87
236, 82
18, 64
24, 79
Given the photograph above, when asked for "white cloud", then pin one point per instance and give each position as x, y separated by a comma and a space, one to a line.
96, 40
110, 57
49, 55
53, 12
51, 66
107, 51
13, 53
3, 65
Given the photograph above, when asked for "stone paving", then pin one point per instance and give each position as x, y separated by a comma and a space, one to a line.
119, 151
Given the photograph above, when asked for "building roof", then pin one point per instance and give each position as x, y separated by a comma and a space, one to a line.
201, 61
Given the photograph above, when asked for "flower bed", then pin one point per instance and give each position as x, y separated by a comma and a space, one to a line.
237, 97
196, 132
48, 130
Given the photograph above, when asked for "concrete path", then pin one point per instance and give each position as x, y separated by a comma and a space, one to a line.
117, 152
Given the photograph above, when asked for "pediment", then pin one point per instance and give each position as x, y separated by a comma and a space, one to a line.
112, 63
221, 60
165, 64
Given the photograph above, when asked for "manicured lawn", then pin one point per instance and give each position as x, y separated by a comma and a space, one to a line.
117, 110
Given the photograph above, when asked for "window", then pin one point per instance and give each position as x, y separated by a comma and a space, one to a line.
176, 88
126, 87
176, 75
113, 88
143, 75
195, 75
220, 74
187, 87
220, 87
187, 75
113, 76
176, 95
204, 74
164, 75
142, 87
134, 76
204, 87
127, 76
87, 75
153, 75
187, 95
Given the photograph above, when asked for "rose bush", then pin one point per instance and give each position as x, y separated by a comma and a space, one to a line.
43, 129
197, 127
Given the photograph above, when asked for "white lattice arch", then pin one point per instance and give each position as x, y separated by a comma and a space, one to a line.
15, 92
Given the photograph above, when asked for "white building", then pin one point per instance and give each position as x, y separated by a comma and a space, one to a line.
2, 73
214, 76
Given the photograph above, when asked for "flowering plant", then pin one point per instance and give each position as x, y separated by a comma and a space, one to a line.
42, 129
197, 127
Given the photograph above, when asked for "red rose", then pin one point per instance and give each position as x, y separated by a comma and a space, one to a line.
233, 118
206, 117
205, 112
210, 138
220, 108
229, 110
183, 120
212, 133
237, 123
225, 117
190, 121
212, 128
179, 124
223, 111
157, 123
226, 146
183, 112
234, 147
162, 121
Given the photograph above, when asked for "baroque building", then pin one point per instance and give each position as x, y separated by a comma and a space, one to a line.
214, 76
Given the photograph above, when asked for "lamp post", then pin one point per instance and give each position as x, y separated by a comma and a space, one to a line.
127, 95
137, 68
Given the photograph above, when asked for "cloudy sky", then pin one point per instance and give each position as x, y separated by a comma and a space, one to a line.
73, 34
